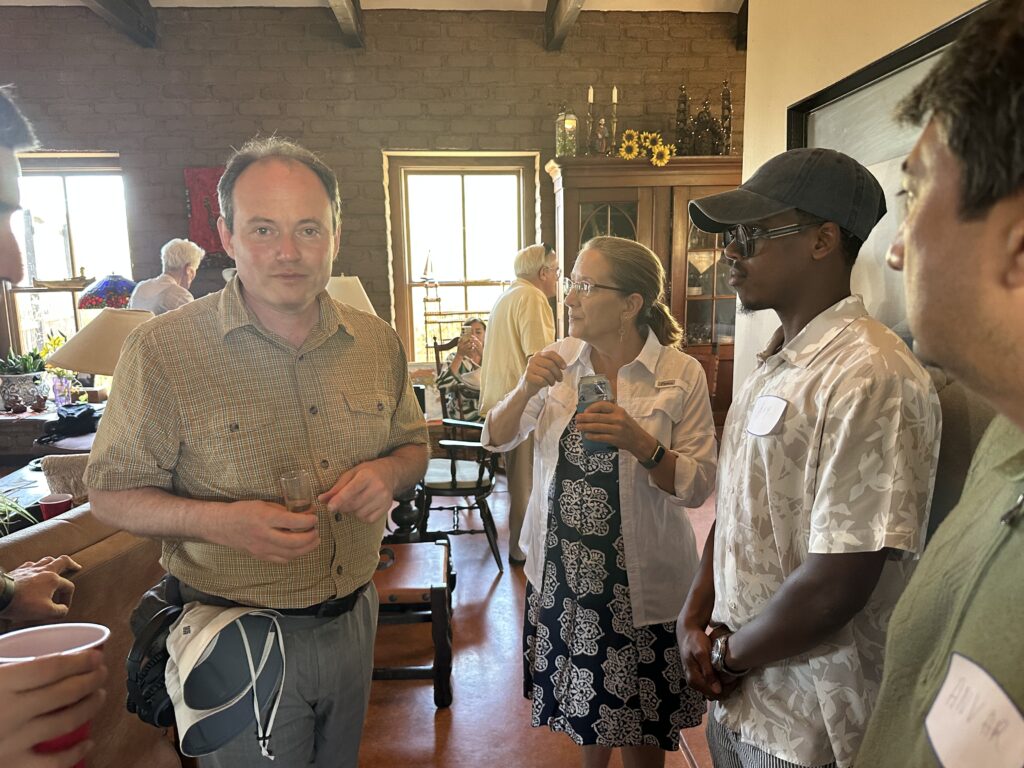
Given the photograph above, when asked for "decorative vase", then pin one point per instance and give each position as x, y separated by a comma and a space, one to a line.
27, 386
62, 390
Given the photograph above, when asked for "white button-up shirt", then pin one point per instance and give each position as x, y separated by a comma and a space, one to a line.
665, 391
159, 294
830, 447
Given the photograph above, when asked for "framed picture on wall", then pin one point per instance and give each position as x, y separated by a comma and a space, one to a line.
855, 116
203, 212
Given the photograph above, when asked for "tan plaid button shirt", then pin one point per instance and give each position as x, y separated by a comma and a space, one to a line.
206, 404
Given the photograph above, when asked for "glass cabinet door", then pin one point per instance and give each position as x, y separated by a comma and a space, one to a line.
615, 219
710, 300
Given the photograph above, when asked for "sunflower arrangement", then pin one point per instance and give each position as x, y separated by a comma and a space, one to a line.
645, 144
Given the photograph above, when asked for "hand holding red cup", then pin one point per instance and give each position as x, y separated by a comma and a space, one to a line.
59, 659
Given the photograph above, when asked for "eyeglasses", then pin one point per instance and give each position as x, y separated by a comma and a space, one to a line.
746, 236
556, 270
584, 289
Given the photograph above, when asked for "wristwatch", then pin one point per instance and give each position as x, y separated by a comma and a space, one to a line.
7, 588
719, 649
656, 457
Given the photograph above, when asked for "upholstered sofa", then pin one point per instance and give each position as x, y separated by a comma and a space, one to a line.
117, 568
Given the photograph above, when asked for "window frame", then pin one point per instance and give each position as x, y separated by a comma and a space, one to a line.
398, 165
63, 164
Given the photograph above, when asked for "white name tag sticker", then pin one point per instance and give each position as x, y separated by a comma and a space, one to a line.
972, 721
767, 415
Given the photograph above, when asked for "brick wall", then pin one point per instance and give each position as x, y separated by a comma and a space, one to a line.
426, 81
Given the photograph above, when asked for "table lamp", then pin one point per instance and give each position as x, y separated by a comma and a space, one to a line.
97, 347
110, 291
348, 290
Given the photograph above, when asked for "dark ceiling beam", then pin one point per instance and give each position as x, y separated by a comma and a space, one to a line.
350, 19
741, 27
134, 18
559, 20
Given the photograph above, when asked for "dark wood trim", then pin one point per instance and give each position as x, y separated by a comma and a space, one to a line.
350, 19
559, 20
134, 18
742, 22
797, 114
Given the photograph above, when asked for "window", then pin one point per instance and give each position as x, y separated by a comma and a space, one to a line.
73, 224
460, 222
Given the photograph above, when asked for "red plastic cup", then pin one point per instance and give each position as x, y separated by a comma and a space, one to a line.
55, 504
51, 640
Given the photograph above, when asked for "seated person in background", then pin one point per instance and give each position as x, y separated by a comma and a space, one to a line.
169, 291
43, 698
459, 382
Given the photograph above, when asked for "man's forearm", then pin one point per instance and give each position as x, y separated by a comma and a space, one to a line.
818, 599
407, 465
156, 513
700, 602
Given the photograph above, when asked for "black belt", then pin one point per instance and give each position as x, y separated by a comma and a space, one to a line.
328, 609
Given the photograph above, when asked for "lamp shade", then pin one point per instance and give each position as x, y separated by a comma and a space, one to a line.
348, 290
110, 291
97, 347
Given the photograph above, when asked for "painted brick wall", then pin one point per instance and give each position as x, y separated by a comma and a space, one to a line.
426, 81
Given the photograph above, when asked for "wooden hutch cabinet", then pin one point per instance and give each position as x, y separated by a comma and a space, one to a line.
634, 199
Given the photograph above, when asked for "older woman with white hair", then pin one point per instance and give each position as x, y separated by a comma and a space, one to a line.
169, 291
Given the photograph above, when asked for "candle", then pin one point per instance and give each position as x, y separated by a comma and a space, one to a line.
590, 95
615, 95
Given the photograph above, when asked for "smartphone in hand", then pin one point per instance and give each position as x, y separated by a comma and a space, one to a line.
593, 389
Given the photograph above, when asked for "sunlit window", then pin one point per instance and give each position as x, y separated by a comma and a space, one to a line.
464, 230
73, 224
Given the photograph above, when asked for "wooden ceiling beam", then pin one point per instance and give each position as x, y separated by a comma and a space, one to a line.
559, 20
350, 19
134, 18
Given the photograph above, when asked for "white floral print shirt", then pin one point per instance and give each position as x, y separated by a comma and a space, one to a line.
830, 447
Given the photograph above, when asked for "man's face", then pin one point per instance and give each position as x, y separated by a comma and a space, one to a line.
766, 280
949, 265
282, 243
11, 267
549, 275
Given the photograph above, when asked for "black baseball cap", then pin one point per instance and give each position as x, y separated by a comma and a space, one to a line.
822, 182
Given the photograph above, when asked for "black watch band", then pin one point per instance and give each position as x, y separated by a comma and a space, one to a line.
656, 457
8, 586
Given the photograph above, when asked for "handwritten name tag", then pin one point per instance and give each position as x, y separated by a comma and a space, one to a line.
973, 722
766, 416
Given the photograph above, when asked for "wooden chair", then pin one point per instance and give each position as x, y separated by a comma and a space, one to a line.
466, 471
415, 582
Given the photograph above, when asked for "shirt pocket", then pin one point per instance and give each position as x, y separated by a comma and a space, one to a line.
238, 453
658, 413
361, 425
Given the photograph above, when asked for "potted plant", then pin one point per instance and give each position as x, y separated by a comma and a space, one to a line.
22, 376
13, 516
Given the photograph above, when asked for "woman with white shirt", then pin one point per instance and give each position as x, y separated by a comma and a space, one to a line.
610, 550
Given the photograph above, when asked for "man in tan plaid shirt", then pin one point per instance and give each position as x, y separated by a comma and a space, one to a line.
214, 401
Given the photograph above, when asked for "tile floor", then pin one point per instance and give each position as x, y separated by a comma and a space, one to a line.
488, 722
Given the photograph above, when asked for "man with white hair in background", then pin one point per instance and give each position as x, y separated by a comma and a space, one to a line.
169, 291
521, 324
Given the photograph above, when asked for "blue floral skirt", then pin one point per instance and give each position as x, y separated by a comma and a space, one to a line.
588, 671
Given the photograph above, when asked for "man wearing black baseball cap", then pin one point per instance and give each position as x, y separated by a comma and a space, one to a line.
825, 477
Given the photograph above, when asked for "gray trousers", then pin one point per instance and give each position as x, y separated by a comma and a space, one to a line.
727, 751
328, 668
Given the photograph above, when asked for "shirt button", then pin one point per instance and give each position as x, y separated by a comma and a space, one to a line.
314, 410
233, 427
301, 358
337, 517
338, 570
325, 463
380, 406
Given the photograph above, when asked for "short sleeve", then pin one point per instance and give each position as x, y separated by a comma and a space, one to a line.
407, 423
139, 437
538, 326
879, 447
